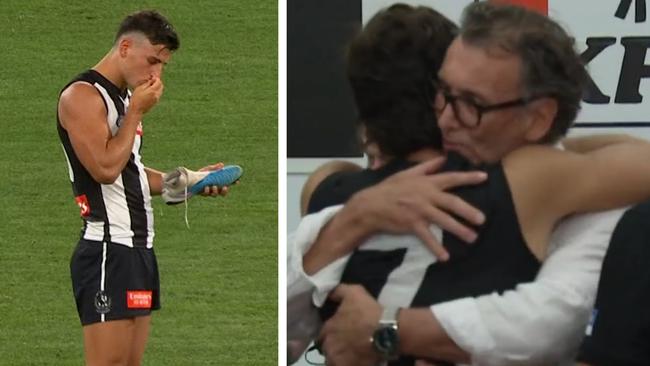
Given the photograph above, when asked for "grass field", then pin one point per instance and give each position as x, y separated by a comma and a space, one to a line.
219, 278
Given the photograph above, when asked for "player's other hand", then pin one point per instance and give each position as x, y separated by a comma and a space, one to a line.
345, 337
146, 95
214, 191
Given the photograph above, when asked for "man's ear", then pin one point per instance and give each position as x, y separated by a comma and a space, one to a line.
542, 114
123, 46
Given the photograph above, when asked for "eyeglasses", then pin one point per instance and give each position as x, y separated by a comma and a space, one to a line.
467, 112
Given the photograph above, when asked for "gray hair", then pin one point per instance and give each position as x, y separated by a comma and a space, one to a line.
551, 65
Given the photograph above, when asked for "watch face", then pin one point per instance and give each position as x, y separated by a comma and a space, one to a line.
385, 340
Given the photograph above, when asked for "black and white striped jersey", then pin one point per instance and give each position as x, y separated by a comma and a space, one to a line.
119, 212
398, 270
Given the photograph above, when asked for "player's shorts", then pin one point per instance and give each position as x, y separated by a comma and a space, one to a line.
113, 281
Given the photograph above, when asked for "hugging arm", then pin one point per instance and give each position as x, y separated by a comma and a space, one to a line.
407, 202
498, 329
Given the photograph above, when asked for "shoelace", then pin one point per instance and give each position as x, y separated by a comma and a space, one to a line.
187, 222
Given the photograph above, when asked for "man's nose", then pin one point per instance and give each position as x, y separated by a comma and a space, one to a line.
447, 118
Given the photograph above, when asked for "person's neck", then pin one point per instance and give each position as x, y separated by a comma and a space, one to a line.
107, 66
424, 154
418, 156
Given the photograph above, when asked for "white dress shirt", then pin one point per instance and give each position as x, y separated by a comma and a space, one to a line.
540, 322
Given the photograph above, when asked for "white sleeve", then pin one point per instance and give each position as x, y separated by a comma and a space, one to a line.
542, 321
298, 282
303, 291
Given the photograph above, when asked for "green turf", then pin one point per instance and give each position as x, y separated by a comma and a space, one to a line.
219, 278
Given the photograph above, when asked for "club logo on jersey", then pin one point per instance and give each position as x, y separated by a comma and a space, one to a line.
138, 130
84, 206
138, 299
102, 302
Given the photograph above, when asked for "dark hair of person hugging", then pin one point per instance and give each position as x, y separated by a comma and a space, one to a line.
391, 67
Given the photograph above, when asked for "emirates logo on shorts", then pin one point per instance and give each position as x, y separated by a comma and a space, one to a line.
138, 299
102, 302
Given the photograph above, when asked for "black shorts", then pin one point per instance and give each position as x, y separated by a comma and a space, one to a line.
113, 281
619, 330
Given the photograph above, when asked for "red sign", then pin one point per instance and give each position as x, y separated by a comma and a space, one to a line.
538, 5
138, 299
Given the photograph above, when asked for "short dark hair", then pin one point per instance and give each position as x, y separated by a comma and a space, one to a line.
551, 65
391, 66
153, 25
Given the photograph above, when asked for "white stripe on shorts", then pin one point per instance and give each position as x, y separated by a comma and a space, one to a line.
103, 280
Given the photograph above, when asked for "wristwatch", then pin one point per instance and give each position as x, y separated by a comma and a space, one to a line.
385, 339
